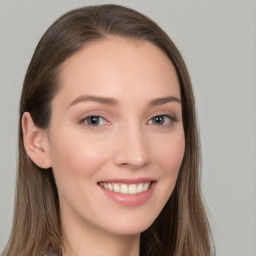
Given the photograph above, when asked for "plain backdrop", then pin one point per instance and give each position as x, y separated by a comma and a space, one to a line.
218, 42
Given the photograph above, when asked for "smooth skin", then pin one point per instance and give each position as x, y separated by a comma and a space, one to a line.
131, 89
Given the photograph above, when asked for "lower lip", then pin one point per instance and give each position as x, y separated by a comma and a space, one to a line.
130, 200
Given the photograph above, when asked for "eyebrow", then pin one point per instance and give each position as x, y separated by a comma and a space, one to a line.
114, 102
86, 98
161, 101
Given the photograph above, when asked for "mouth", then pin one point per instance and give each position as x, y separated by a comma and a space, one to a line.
123, 188
128, 192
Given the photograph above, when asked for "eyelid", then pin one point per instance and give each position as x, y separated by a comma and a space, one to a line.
83, 121
95, 112
171, 117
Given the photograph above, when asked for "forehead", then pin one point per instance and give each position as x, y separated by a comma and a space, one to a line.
117, 67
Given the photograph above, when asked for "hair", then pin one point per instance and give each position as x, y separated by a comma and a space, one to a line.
182, 228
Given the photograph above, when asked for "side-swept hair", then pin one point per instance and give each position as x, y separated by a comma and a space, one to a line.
182, 227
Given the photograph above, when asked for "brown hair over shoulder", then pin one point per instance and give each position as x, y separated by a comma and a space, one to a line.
182, 227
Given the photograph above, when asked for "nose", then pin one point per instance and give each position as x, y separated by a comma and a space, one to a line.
132, 149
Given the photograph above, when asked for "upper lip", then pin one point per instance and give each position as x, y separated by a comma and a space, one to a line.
128, 181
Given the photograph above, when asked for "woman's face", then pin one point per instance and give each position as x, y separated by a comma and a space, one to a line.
116, 136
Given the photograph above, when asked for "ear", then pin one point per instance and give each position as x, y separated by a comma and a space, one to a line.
35, 142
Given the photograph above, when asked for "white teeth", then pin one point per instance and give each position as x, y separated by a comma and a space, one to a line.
146, 186
110, 187
140, 188
116, 188
131, 189
124, 189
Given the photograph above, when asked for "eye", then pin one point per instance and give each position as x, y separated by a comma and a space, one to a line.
162, 120
94, 121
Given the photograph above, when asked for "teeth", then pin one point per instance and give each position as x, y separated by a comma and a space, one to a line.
131, 189
124, 189
140, 188
110, 187
116, 188
146, 186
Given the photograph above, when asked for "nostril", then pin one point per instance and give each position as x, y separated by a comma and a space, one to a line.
134, 165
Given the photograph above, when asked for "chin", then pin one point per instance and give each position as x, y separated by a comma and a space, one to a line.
130, 227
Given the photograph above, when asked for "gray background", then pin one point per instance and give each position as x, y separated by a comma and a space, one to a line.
218, 41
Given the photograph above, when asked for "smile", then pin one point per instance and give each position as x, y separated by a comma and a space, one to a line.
128, 192
131, 189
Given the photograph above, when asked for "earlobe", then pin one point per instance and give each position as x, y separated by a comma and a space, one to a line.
35, 142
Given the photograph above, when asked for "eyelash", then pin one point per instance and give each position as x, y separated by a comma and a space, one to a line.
85, 120
171, 119
170, 122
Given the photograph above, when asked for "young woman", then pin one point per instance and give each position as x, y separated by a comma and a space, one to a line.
108, 143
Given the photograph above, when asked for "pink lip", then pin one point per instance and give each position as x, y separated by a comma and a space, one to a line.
127, 199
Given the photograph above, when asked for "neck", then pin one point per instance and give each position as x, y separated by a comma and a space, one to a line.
87, 239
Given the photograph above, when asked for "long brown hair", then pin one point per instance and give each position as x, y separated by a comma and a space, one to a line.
182, 227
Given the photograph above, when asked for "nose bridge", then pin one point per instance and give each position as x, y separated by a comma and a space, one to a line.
132, 146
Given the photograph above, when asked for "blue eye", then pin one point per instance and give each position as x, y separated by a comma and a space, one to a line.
94, 120
162, 120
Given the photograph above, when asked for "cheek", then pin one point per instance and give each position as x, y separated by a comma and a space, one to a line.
170, 154
169, 159
76, 156
76, 161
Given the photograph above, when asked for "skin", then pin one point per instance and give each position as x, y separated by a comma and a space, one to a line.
127, 143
